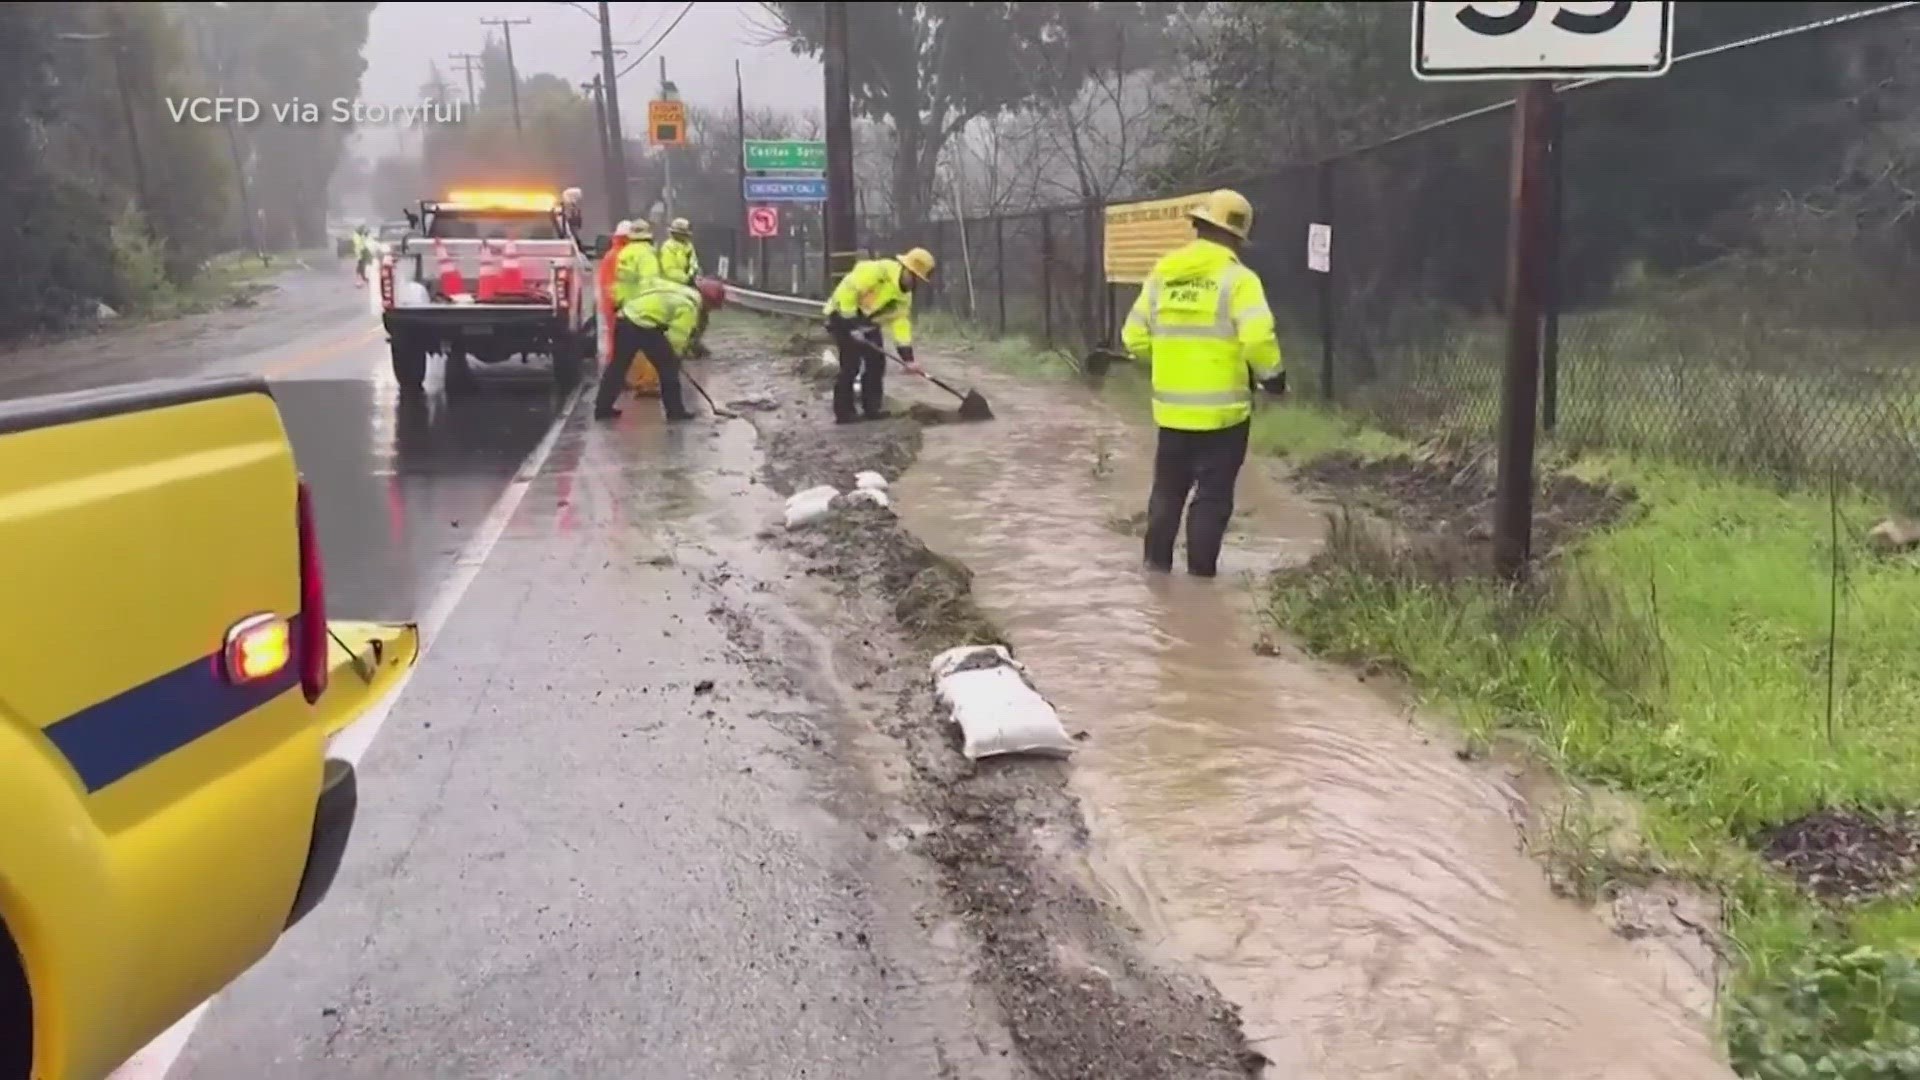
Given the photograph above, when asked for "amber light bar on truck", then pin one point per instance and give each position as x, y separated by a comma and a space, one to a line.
503, 200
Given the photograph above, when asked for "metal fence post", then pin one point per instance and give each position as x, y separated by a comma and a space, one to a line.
1046, 277
1324, 178
1000, 268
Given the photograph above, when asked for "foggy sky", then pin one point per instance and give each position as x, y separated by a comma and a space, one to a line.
406, 37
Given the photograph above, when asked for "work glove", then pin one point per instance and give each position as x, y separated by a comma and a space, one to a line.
906, 359
1277, 386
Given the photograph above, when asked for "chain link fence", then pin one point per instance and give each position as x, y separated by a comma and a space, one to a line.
1736, 269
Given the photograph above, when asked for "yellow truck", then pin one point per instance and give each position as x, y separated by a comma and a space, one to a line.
169, 685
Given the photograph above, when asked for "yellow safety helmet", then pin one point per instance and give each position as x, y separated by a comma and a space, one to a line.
680, 227
919, 263
640, 229
1225, 209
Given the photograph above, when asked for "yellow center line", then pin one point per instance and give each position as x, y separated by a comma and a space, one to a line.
309, 357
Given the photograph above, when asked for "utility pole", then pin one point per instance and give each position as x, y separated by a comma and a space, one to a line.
468, 60
513, 75
616, 134
841, 239
667, 93
217, 55
608, 175
739, 160
133, 130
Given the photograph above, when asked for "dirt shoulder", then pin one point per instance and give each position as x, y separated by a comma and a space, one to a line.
1063, 968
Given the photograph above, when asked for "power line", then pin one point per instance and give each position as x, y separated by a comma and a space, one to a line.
663, 37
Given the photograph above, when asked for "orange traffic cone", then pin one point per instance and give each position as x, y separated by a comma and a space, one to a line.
489, 273
451, 283
512, 282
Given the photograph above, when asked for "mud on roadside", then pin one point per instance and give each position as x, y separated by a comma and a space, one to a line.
1447, 495
1064, 969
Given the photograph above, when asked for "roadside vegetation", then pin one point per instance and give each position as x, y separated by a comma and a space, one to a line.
108, 200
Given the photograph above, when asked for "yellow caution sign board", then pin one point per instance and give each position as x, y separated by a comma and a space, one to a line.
1138, 233
667, 123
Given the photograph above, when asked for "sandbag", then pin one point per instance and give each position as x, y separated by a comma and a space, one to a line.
869, 481
806, 507
986, 692
870, 496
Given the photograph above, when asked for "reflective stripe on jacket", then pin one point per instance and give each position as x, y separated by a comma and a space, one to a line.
638, 264
872, 288
1202, 321
678, 261
662, 305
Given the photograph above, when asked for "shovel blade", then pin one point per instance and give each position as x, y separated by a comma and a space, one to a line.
975, 407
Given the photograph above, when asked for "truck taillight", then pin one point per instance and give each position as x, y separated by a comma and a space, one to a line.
312, 644
386, 281
257, 647
562, 287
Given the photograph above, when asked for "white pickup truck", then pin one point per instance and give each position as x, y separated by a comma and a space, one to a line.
486, 277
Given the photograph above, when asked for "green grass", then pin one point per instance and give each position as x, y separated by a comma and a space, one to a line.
1681, 658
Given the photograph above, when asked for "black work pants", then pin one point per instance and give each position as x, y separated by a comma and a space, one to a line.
860, 356
1203, 464
628, 339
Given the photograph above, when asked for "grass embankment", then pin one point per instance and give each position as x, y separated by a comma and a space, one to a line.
1679, 655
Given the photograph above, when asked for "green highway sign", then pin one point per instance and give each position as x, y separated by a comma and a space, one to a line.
779, 155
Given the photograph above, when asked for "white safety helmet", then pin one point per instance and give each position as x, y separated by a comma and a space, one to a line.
625, 228
570, 196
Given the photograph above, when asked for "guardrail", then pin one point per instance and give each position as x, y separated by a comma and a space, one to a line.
801, 307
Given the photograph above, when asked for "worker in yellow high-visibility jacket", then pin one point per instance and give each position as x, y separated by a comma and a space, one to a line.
680, 263
663, 316
638, 264
875, 291
1202, 321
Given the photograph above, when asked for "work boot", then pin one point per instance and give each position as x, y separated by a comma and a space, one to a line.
611, 412
1152, 567
846, 419
679, 416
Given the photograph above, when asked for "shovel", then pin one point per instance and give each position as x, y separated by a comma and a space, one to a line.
972, 405
718, 412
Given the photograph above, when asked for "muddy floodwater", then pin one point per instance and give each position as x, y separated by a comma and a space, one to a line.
1358, 890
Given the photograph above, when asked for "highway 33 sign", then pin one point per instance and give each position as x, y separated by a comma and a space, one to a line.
1531, 39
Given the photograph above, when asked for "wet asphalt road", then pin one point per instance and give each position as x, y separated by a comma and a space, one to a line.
589, 843
399, 482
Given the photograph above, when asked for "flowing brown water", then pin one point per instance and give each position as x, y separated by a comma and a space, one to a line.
1354, 887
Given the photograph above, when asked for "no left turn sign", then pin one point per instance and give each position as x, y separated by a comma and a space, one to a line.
763, 221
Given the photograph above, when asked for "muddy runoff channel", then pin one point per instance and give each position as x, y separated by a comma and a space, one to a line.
1357, 892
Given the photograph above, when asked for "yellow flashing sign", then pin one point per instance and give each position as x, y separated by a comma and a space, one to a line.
1138, 233
667, 123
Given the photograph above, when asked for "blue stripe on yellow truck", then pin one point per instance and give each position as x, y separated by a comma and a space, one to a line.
158, 820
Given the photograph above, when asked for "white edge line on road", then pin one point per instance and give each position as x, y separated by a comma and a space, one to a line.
157, 1058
